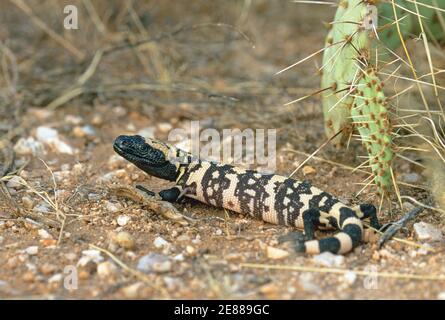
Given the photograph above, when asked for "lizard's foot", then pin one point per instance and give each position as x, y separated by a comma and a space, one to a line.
149, 199
296, 239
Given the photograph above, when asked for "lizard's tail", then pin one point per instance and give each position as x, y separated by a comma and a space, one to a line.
341, 243
350, 235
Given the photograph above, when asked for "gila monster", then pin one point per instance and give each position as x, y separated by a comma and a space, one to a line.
273, 198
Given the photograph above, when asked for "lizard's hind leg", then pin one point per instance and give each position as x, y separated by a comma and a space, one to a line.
312, 219
365, 211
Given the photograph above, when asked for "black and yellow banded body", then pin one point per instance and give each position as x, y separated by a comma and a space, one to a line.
270, 197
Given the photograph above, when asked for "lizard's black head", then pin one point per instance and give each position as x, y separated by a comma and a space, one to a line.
151, 156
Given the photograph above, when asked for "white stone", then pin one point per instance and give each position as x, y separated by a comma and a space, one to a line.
164, 127
183, 237
110, 176
90, 255
147, 132
106, 269
46, 134
154, 262
160, 242
42, 207
28, 146
73, 119
15, 183
441, 296
411, 177
328, 259
132, 291
350, 277
114, 161
55, 278
306, 282
113, 207
123, 219
61, 175
51, 137
179, 257
275, 253
427, 232
32, 250
44, 234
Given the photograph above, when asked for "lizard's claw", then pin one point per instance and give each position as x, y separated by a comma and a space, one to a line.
297, 240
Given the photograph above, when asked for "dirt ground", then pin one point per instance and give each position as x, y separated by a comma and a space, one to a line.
209, 61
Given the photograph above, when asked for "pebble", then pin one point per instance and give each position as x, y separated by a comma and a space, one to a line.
94, 196
425, 249
97, 120
306, 282
173, 283
61, 176
328, 259
48, 268
110, 176
14, 183
132, 291
308, 170
2, 239
183, 237
275, 253
154, 262
124, 240
51, 137
32, 250
350, 277
411, 177
48, 242
147, 132
106, 269
270, 290
179, 257
164, 127
28, 146
160, 242
441, 296
123, 219
115, 161
27, 202
71, 256
190, 250
427, 232
113, 207
90, 255
119, 111
28, 276
78, 169
42, 207
73, 119
55, 278
82, 132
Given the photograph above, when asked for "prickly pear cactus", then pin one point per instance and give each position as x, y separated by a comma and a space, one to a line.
432, 17
388, 34
355, 99
346, 45
370, 117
